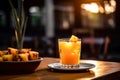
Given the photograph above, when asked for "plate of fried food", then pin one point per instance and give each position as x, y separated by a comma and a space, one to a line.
13, 61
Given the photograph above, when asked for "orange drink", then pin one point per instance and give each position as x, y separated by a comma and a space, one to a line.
69, 50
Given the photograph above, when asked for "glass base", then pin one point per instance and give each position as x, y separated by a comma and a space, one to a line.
70, 66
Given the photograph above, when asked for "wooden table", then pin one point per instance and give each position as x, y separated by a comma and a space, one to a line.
103, 71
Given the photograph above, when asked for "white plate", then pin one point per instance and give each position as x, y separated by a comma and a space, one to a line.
82, 67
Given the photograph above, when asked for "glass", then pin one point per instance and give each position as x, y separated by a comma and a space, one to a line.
69, 52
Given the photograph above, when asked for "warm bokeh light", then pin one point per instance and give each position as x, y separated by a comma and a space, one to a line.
92, 7
107, 8
112, 2
65, 24
101, 9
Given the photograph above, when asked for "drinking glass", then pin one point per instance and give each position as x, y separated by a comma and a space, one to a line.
69, 52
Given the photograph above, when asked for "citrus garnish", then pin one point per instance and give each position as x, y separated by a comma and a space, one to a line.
73, 38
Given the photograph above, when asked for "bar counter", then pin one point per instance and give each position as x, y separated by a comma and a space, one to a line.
103, 70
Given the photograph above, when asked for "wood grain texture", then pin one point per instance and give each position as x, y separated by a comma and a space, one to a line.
103, 71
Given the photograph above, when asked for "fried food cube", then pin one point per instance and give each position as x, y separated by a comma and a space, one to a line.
23, 57
1, 59
33, 55
1, 53
12, 51
24, 51
7, 57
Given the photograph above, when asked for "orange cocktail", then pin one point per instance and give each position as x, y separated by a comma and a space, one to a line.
69, 50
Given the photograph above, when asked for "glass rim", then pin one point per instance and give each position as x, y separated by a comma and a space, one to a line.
66, 39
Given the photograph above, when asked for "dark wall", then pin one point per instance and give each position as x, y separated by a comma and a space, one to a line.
115, 33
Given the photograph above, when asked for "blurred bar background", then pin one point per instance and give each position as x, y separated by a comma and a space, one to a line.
96, 22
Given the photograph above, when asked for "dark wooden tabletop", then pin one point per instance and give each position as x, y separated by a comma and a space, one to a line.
103, 70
